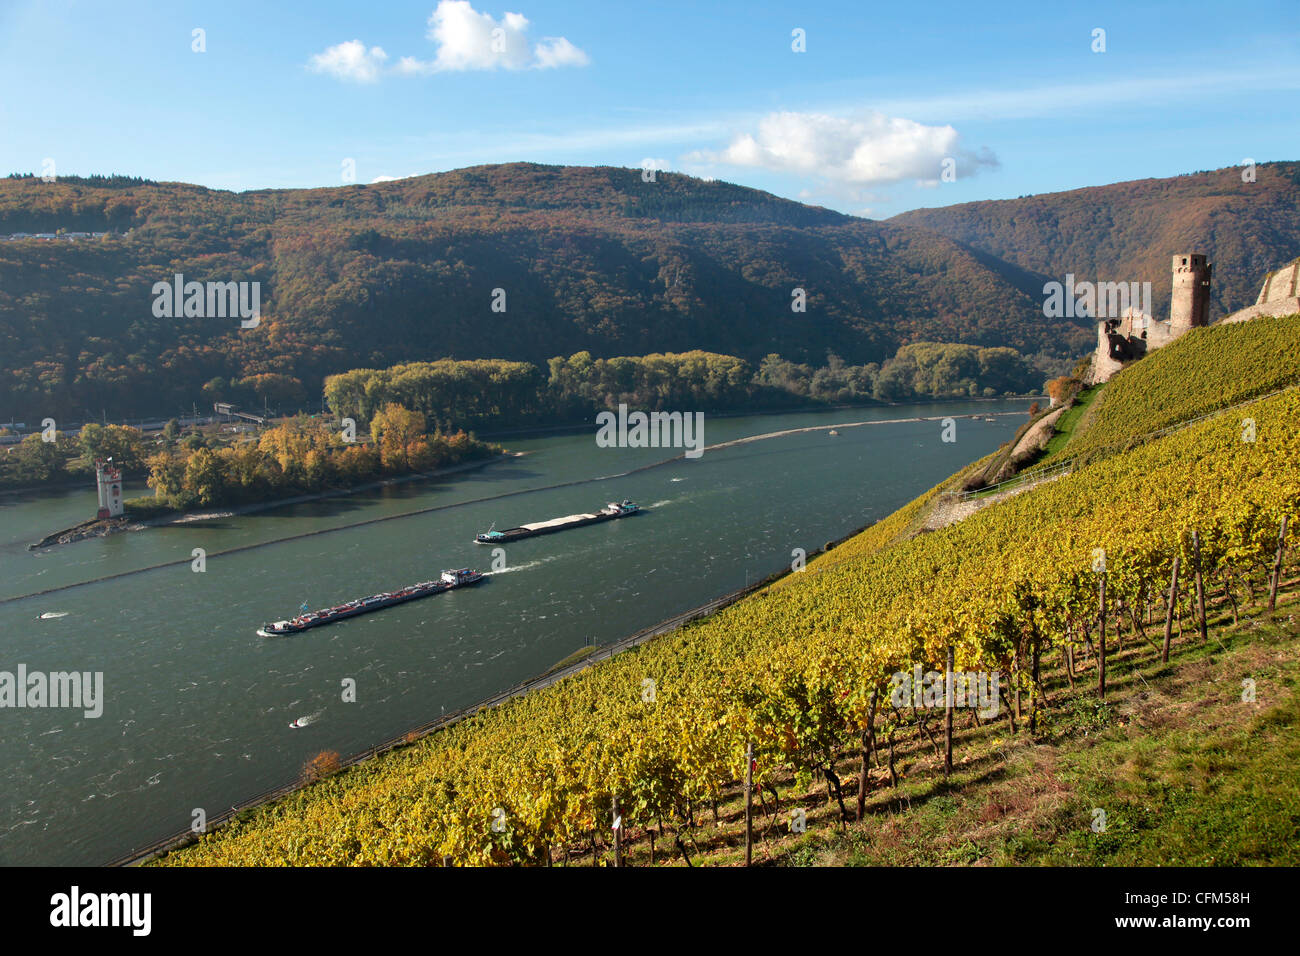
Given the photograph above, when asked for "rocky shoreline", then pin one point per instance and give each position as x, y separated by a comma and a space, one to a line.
94, 528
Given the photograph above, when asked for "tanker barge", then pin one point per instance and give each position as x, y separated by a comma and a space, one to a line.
608, 513
446, 582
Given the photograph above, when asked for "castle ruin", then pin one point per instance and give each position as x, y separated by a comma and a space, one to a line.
1133, 334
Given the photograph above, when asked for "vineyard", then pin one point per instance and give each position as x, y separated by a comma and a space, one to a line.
803, 672
1205, 370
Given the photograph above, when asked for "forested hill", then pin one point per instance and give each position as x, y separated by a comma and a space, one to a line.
1127, 232
371, 275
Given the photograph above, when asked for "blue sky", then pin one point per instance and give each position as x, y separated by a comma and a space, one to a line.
861, 120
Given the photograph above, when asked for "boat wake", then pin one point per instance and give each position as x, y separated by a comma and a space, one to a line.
524, 567
835, 428
517, 567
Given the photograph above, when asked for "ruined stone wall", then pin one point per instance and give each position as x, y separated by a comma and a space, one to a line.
1279, 295
1279, 307
1158, 334
1281, 285
1103, 366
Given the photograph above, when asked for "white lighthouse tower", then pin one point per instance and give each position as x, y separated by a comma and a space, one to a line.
109, 479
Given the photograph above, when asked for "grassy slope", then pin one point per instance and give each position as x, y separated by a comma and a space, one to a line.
1186, 772
1068, 423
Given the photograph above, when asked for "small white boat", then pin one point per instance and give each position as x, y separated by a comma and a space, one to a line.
832, 433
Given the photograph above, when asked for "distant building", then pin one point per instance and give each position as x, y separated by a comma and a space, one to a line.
60, 236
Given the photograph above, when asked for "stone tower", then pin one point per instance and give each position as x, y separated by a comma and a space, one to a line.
1190, 305
108, 478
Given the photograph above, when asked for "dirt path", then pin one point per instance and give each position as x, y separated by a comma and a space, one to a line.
950, 509
1039, 435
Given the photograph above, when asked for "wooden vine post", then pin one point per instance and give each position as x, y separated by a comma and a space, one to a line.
949, 677
1277, 566
1101, 638
749, 802
868, 751
618, 833
1169, 609
1200, 586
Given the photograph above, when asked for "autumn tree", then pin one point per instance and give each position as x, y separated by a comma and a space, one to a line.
396, 430
1061, 390
124, 445
36, 460
204, 477
167, 479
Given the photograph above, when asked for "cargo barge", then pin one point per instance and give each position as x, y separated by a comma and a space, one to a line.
608, 513
446, 582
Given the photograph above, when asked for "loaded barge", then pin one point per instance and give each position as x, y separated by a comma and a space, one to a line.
608, 513
446, 582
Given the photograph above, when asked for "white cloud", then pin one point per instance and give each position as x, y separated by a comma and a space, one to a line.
667, 130
658, 164
469, 40
869, 148
465, 40
557, 51
410, 66
351, 61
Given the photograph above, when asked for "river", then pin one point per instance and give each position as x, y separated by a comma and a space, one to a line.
197, 707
